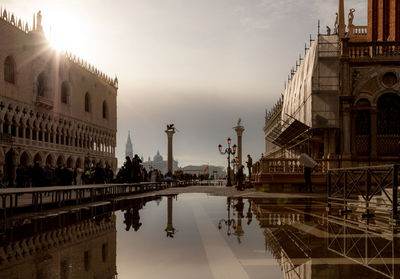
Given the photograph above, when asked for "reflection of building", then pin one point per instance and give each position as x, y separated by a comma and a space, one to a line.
159, 164
85, 249
128, 146
308, 245
54, 107
340, 104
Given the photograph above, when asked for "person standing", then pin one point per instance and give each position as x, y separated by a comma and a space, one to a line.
239, 178
307, 178
249, 164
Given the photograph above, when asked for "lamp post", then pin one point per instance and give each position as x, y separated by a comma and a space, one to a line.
229, 222
230, 151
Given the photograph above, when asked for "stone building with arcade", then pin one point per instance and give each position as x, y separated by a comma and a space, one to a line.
341, 103
55, 108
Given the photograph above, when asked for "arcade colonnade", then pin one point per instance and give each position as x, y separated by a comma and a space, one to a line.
29, 135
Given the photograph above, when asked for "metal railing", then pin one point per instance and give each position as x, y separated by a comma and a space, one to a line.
367, 190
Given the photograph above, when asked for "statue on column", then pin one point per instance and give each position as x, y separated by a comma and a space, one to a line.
170, 127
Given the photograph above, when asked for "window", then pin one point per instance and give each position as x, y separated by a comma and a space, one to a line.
41, 85
9, 70
105, 110
388, 114
87, 102
64, 92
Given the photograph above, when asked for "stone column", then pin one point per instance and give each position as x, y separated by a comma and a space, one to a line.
341, 22
170, 228
170, 134
239, 131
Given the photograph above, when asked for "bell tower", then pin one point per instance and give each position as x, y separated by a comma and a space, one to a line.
384, 20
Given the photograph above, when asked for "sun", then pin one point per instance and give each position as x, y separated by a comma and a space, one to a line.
65, 33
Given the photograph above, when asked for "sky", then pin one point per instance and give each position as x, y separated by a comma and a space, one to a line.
200, 64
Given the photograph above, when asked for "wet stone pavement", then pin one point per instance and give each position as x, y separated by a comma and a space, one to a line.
200, 232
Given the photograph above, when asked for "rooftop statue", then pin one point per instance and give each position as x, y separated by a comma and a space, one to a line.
351, 16
335, 31
239, 121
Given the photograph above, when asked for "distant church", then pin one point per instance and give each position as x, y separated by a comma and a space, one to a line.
159, 163
129, 147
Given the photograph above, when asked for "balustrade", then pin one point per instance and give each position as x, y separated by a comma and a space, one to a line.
373, 49
286, 166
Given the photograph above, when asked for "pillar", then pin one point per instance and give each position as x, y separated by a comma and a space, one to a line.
341, 23
239, 131
170, 133
170, 228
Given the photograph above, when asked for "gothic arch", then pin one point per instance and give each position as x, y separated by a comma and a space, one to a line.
9, 70
41, 84
70, 162
50, 160
38, 158
88, 104
25, 159
60, 160
65, 93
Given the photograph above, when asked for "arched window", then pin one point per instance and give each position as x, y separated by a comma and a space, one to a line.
87, 102
41, 85
65, 93
105, 110
362, 127
388, 124
9, 70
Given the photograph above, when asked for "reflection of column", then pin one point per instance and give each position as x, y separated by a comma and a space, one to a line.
170, 228
170, 134
239, 131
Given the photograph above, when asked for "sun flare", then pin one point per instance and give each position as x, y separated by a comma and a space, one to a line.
66, 33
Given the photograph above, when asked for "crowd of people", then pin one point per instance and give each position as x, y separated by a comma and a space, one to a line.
38, 176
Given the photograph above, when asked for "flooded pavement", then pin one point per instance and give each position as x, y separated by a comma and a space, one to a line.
200, 236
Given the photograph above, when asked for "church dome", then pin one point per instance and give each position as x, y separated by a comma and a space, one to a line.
158, 157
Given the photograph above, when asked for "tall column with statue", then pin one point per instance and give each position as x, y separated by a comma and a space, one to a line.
239, 129
170, 133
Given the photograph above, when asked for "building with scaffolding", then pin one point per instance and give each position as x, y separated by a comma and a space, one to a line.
340, 103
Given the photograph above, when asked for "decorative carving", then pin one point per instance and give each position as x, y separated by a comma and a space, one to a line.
328, 30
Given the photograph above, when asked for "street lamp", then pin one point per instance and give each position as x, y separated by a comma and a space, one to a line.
230, 151
229, 222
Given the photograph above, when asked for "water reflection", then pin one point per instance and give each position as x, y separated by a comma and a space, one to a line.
218, 237
170, 228
83, 249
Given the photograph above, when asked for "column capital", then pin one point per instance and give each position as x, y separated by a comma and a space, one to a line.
239, 130
170, 133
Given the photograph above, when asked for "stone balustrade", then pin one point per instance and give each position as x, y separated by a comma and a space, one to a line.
358, 32
371, 49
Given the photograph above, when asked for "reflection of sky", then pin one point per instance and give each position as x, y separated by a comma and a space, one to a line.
148, 253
